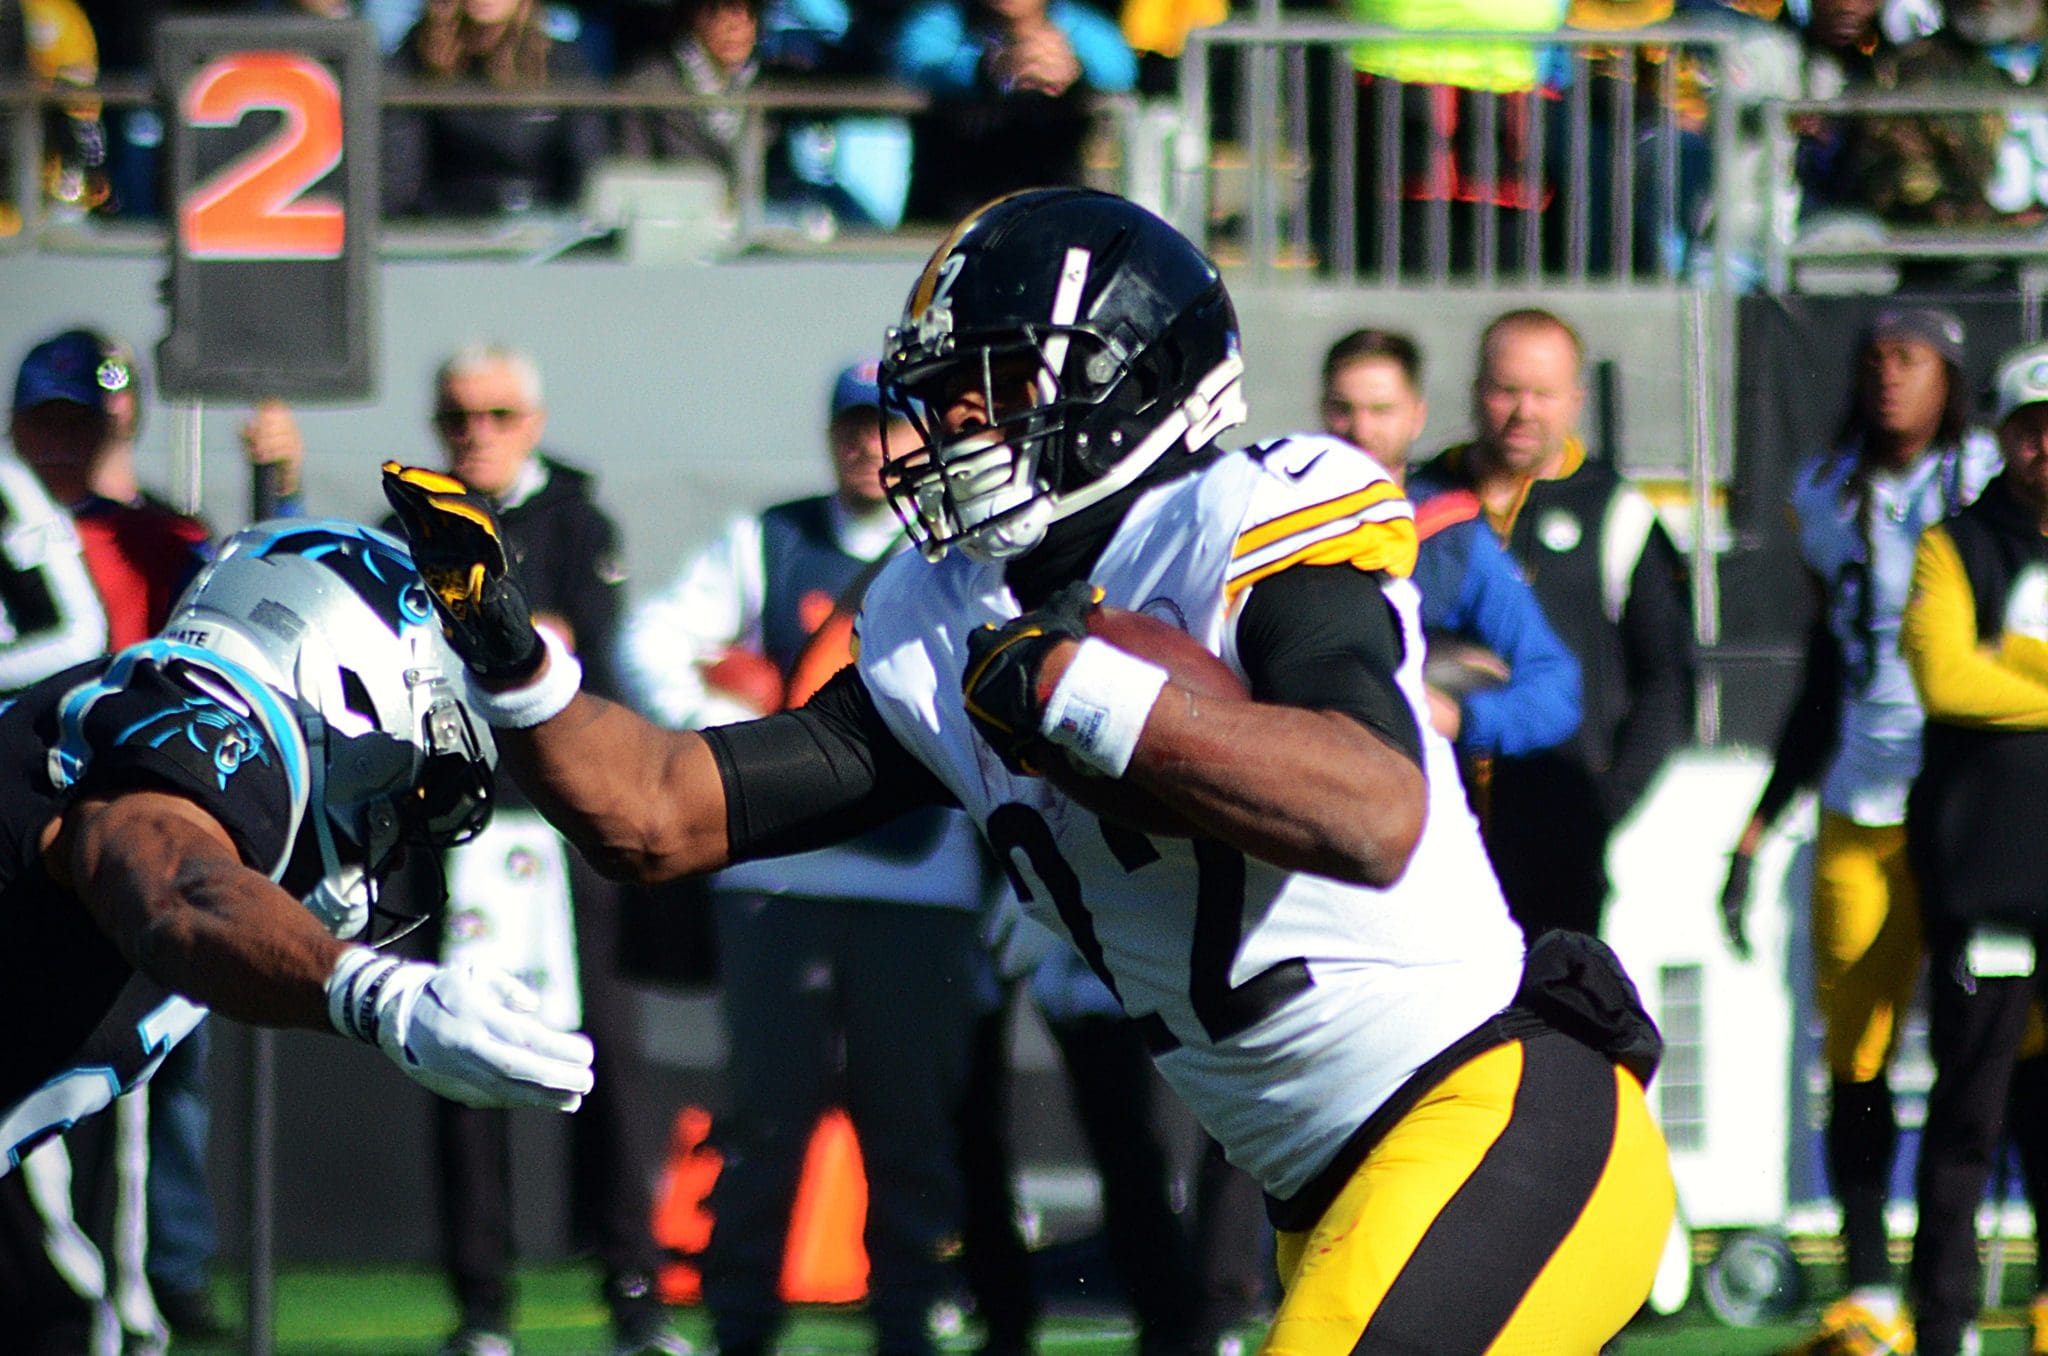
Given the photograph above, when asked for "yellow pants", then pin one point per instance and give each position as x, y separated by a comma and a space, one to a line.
1866, 943
1520, 1207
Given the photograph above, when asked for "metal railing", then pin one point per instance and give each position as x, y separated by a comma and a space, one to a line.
1314, 170
1787, 244
22, 103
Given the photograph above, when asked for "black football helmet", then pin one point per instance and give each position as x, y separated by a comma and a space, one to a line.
1119, 329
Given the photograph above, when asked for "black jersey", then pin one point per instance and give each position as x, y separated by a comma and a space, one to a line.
82, 1024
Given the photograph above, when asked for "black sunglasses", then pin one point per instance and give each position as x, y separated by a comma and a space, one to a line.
453, 419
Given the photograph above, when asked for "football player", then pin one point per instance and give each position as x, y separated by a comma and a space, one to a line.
202, 821
1455, 1142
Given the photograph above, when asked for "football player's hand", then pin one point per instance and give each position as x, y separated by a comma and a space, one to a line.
461, 555
466, 1032
1005, 695
1735, 901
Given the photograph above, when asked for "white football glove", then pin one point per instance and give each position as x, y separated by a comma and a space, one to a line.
464, 1031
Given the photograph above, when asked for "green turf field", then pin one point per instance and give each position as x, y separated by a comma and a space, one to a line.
392, 1312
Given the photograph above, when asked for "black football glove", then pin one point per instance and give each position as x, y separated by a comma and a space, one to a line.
1735, 902
1001, 682
460, 554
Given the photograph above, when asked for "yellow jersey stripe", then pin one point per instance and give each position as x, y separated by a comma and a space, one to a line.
1388, 546
1350, 505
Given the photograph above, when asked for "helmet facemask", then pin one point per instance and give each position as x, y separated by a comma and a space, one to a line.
1075, 408
385, 797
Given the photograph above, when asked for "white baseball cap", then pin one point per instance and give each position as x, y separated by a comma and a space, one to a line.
2022, 380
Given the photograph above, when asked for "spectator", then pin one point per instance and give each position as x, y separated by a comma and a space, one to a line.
489, 415
811, 172
485, 161
1845, 47
63, 53
142, 554
1975, 636
1157, 31
713, 51
1955, 169
1471, 590
1011, 80
859, 958
50, 614
1906, 458
1611, 584
1843, 41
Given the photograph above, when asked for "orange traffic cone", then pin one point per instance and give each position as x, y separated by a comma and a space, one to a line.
682, 1226
825, 1261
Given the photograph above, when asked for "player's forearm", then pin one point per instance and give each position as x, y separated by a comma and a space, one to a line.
1305, 790
243, 947
181, 908
643, 803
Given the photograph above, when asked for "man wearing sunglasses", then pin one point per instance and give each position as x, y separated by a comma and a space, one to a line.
489, 415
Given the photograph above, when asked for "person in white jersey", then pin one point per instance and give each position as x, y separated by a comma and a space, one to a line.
1906, 458
1454, 1136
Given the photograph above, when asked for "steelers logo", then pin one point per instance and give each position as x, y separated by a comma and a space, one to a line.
2026, 605
1559, 530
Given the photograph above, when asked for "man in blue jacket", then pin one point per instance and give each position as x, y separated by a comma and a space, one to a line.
1471, 591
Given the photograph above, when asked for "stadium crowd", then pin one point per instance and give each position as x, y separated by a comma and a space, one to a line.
1010, 85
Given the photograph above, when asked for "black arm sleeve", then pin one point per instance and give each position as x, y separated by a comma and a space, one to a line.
1807, 740
828, 771
1325, 637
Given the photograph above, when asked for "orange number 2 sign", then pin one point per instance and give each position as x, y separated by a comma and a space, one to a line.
256, 206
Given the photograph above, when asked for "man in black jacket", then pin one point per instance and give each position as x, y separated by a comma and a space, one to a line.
489, 417
1975, 635
1612, 585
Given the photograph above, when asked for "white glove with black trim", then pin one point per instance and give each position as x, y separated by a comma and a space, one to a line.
466, 1032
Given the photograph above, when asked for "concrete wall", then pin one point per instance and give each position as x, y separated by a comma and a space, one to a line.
697, 392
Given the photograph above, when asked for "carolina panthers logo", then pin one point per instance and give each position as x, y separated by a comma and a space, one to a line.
227, 741
376, 567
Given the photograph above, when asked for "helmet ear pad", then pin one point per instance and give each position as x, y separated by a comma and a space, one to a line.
1177, 357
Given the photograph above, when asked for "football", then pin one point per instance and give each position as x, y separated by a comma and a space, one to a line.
1454, 666
1188, 665
1186, 660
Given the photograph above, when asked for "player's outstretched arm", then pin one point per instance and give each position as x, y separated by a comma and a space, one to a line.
161, 878
640, 801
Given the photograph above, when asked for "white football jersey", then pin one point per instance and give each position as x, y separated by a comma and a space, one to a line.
1290, 1005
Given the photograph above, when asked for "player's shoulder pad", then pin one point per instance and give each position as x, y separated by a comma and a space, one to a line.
199, 723
1320, 501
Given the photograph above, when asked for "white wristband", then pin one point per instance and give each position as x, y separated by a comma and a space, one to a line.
1098, 708
353, 987
522, 708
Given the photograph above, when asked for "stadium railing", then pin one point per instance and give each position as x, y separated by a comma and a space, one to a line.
1284, 95
1793, 243
533, 234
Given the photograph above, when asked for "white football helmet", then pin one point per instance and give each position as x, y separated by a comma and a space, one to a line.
333, 616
